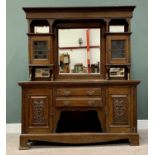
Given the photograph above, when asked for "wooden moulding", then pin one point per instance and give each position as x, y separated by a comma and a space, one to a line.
80, 83
77, 138
79, 12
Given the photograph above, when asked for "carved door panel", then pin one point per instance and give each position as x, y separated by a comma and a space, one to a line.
37, 111
119, 110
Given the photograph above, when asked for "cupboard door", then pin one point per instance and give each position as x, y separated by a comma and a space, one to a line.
118, 49
119, 109
37, 111
40, 50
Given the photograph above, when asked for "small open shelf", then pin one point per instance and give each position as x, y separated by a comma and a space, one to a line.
118, 25
39, 26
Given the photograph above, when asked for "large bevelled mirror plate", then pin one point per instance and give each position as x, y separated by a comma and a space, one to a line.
79, 51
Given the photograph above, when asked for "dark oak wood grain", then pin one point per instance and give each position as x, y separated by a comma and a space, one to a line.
114, 106
79, 109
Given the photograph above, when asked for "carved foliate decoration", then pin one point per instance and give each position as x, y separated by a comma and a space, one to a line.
38, 112
120, 109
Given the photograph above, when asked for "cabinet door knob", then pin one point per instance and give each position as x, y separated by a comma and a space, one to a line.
66, 103
90, 103
67, 92
90, 92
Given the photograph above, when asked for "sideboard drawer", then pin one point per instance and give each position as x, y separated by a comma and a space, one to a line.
79, 102
78, 91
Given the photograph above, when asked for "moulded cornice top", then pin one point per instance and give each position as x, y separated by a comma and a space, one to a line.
97, 12
104, 8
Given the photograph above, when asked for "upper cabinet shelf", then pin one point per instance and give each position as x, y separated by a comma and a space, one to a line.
40, 34
39, 27
118, 26
118, 33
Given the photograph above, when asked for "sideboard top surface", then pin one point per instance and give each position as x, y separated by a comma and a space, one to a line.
80, 82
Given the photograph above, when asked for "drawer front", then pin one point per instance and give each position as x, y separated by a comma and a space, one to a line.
78, 92
79, 102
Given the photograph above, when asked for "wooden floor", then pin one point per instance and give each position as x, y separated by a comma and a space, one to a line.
122, 148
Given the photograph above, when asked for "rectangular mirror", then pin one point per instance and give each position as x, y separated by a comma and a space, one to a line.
79, 51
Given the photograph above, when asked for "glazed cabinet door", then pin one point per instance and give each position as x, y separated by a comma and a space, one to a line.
40, 50
119, 109
118, 49
36, 111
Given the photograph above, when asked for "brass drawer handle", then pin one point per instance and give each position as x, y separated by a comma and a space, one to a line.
66, 103
67, 92
90, 92
90, 103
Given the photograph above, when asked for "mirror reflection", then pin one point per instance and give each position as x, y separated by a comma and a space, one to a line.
79, 51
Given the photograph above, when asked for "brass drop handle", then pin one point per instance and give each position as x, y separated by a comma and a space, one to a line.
90, 92
67, 92
66, 103
90, 103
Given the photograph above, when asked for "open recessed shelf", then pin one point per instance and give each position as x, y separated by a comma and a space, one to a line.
39, 26
82, 121
118, 25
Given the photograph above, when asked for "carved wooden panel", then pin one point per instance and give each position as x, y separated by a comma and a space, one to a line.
120, 109
38, 110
